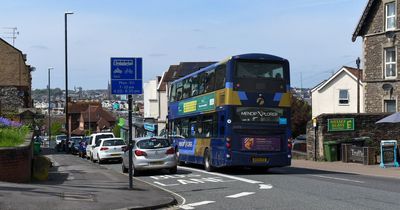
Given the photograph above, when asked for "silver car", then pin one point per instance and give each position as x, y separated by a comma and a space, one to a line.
151, 153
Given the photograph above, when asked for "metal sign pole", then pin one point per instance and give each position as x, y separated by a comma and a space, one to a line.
130, 146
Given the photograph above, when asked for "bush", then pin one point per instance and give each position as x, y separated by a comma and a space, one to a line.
12, 133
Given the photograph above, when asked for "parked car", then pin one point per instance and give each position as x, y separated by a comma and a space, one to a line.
94, 139
82, 146
109, 149
74, 144
151, 153
60, 142
300, 143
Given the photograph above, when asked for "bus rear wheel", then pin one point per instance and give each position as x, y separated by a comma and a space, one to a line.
207, 161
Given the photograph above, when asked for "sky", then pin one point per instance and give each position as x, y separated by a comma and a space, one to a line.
314, 35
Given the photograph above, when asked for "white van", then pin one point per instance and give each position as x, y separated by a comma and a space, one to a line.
93, 140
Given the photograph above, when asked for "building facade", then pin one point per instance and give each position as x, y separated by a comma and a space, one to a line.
15, 79
379, 28
339, 93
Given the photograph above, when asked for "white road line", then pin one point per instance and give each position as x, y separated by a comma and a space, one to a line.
192, 205
166, 190
224, 175
240, 194
341, 179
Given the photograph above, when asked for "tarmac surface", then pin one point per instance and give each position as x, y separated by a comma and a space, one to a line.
75, 183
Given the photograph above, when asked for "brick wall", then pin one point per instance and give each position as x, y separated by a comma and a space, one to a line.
364, 126
10, 100
16, 162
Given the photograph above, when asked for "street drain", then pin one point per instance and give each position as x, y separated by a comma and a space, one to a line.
77, 197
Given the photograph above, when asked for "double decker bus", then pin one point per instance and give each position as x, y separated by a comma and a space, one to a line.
233, 113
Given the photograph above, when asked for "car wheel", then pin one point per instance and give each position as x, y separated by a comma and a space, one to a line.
99, 160
124, 169
173, 170
135, 172
207, 161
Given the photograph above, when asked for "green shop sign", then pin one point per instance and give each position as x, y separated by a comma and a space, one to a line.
341, 124
198, 104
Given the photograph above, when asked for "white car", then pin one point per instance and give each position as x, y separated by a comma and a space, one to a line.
94, 139
109, 149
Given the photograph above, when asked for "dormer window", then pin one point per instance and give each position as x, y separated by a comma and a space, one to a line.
390, 14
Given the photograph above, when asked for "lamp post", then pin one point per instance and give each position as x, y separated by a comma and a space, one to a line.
49, 109
66, 79
358, 84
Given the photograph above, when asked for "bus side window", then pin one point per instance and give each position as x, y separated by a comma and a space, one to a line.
179, 90
220, 77
172, 93
210, 81
193, 127
185, 128
195, 86
201, 82
207, 126
215, 126
186, 88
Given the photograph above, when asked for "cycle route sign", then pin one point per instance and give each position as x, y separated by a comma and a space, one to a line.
126, 76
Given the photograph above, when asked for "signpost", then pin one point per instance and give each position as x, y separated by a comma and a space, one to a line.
126, 79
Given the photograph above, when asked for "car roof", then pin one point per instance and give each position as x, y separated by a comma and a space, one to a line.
107, 133
104, 139
148, 137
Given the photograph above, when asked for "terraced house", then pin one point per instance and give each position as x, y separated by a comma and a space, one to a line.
15, 79
379, 28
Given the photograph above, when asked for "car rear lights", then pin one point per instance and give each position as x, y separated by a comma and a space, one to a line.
103, 148
140, 153
170, 151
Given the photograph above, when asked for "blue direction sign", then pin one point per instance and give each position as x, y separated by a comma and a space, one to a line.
126, 76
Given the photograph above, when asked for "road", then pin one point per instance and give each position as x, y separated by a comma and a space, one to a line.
280, 188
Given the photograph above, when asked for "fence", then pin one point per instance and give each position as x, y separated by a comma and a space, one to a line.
364, 155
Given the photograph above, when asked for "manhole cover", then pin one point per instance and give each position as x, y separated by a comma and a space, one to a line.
77, 197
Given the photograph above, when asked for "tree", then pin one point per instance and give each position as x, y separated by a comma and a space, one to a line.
55, 128
301, 114
117, 131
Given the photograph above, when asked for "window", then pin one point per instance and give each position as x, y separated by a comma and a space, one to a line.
390, 62
390, 105
247, 69
172, 96
195, 86
201, 81
220, 77
179, 90
186, 88
390, 14
209, 81
185, 125
343, 97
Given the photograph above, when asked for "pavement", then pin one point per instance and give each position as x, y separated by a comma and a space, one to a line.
354, 168
75, 183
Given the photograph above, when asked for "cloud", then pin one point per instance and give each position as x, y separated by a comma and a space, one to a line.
157, 55
39, 47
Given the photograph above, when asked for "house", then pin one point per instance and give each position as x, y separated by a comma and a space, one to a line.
338, 94
379, 28
15, 80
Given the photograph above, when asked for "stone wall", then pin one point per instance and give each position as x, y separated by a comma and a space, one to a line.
364, 126
16, 162
11, 99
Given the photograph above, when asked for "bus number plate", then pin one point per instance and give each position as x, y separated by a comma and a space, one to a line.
259, 160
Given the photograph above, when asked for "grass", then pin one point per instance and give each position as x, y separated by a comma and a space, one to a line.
10, 137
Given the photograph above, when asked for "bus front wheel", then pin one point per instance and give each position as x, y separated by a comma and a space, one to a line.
207, 161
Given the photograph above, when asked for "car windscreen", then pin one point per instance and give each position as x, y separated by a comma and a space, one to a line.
153, 143
103, 136
113, 143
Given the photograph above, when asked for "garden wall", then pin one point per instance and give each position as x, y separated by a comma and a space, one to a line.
16, 162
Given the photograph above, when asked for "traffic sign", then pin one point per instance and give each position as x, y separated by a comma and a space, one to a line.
126, 76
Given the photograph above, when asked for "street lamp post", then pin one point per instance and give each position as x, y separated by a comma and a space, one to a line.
358, 84
66, 80
49, 109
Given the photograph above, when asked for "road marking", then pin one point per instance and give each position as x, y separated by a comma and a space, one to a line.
192, 205
341, 179
240, 194
224, 175
265, 186
165, 185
